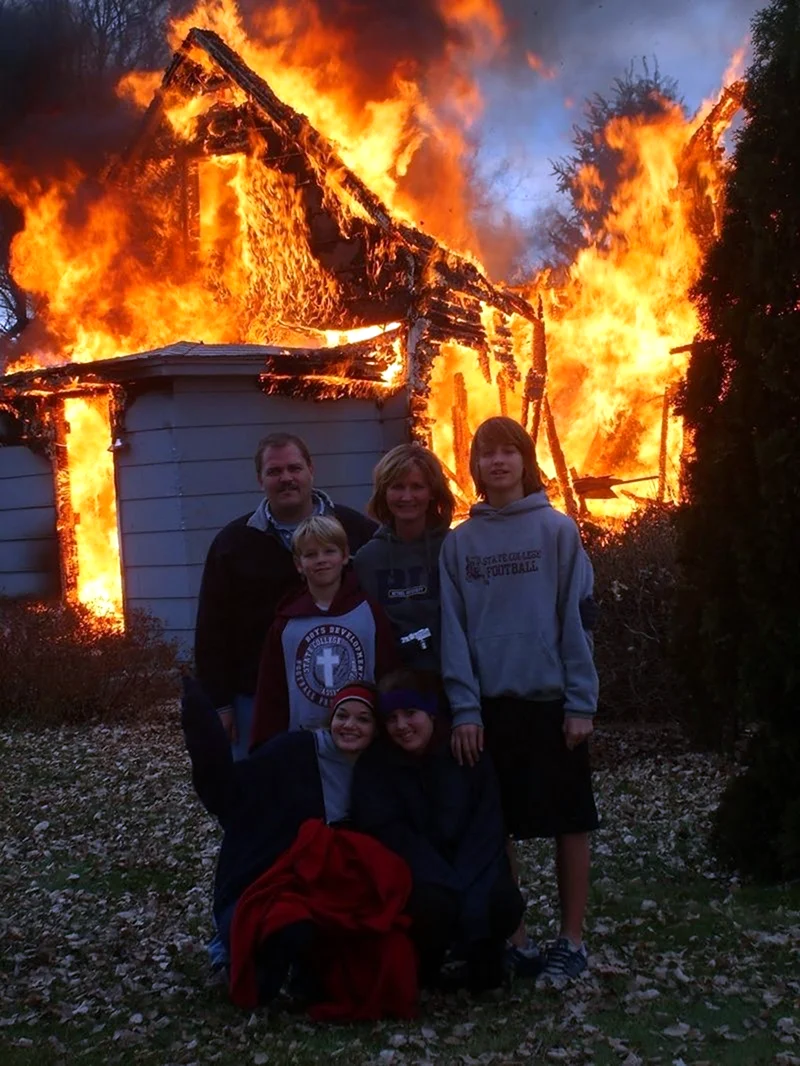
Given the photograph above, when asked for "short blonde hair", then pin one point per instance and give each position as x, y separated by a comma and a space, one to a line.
398, 463
322, 528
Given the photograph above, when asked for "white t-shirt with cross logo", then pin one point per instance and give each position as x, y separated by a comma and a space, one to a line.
323, 655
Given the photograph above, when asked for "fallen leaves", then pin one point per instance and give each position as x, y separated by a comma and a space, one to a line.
106, 865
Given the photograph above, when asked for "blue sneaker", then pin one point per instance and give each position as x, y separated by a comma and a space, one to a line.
525, 961
563, 962
218, 958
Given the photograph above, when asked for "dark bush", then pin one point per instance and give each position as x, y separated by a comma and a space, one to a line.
757, 824
60, 664
634, 587
737, 604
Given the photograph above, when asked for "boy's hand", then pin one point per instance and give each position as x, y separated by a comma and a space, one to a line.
576, 730
466, 744
226, 716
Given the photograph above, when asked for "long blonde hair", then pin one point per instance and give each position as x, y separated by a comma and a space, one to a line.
394, 465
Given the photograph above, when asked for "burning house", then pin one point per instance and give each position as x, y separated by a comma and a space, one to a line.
244, 268
121, 464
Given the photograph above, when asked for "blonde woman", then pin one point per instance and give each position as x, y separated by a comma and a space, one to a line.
398, 568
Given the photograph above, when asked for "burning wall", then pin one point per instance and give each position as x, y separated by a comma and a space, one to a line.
184, 423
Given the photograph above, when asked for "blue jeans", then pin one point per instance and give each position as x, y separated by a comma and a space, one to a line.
243, 717
219, 947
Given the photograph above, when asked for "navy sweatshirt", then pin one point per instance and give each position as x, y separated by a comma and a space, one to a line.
445, 820
260, 802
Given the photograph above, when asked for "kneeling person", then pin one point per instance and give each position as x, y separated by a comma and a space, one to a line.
274, 809
446, 821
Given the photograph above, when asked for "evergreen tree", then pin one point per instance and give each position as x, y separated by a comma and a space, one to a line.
642, 94
738, 635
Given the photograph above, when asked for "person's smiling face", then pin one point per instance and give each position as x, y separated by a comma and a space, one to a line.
409, 497
501, 471
287, 481
410, 729
321, 564
353, 727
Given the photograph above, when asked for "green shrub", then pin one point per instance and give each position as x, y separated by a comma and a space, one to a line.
634, 587
60, 664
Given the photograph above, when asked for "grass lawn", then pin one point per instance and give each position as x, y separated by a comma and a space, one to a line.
106, 861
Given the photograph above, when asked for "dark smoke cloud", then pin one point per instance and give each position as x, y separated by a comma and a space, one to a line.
553, 23
59, 65
381, 37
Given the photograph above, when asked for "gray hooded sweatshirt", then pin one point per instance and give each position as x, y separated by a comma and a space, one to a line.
403, 577
512, 583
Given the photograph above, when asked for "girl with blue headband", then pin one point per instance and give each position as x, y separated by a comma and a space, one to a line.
445, 821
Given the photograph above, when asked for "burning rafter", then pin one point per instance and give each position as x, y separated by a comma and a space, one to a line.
416, 255
373, 364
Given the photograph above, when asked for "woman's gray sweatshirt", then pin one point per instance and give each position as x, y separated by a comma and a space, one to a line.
403, 577
512, 584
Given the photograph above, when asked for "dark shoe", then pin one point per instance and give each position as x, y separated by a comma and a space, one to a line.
525, 962
562, 963
275, 956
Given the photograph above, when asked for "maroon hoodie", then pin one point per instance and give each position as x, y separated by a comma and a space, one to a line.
309, 654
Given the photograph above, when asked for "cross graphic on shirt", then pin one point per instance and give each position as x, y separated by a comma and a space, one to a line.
326, 660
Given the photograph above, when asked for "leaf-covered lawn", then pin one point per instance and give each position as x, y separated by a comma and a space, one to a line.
106, 861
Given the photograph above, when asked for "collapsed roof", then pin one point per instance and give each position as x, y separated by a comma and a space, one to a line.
385, 266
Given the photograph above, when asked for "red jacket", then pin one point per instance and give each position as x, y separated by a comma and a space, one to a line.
351, 641
354, 890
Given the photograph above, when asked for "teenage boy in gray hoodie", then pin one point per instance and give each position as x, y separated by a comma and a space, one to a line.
516, 587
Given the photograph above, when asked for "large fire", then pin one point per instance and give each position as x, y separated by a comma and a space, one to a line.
611, 324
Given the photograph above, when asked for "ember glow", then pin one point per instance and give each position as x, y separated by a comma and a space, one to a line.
228, 237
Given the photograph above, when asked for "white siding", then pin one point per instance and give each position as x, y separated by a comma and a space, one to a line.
188, 469
29, 559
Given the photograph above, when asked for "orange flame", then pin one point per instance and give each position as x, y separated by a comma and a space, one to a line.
93, 505
612, 323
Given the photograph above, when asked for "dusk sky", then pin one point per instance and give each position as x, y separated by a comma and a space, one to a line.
585, 44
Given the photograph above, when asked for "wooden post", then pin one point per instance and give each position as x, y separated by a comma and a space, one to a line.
537, 377
461, 437
66, 518
559, 461
189, 211
662, 450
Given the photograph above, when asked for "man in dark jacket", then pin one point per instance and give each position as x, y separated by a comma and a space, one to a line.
248, 571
